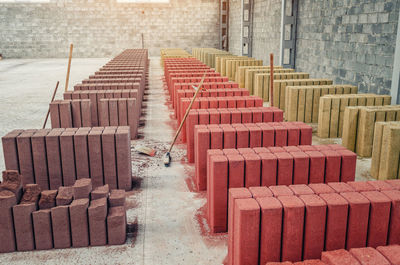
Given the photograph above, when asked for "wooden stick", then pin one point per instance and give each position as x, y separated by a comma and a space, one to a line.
271, 79
199, 88
142, 41
52, 99
71, 47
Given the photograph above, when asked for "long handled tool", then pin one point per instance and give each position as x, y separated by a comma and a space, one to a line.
52, 99
71, 47
167, 156
271, 79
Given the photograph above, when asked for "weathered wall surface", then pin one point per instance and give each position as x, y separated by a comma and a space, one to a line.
267, 29
351, 42
103, 28
235, 27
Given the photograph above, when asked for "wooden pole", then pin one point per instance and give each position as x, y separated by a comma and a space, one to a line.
271, 79
142, 41
71, 47
52, 99
199, 88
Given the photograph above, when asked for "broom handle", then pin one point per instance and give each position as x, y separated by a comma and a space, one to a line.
52, 99
271, 79
187, 112
71, 47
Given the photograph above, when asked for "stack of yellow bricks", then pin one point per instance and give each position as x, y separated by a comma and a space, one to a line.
280, 86
358, 126
303, 102
208, 55
173, 53
386, 151
262, 82
229, 65
332, 107
250, 74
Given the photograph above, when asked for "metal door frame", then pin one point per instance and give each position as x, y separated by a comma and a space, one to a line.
291, 43
247, 26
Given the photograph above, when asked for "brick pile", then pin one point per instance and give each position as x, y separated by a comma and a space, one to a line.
299, 222
356, 256
117, 89
252, 167
331, 110
58, 157
75, 216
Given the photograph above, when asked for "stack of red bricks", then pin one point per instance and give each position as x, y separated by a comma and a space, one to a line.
387, 255
226, 116
299, 222
77, 216
279, 197
253, 167
247, 135
58, 157
111, 97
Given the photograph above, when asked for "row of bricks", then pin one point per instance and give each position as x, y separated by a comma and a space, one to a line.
385, 255
358, 126
172, 76
248, 135
217, 103
120, 112
168, 66
135, 66
112, 80
196, 80
71, 113
235, 168
202, 72
96, 95
111, 111
79, 223
227, 116
120, 72
208, 90
264, 228
303, 102
386, 150
142, 79
106, 86
215, 92
57, 157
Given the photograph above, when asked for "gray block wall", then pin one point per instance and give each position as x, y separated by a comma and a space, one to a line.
235, 27
351, 41
103, 28
267, 30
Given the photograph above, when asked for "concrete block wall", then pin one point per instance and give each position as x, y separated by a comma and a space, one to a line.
235, 27
267, 29
349, 41
104, 28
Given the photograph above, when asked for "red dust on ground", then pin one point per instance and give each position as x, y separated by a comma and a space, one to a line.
210, 239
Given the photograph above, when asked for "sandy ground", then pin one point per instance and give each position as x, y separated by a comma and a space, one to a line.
166, 220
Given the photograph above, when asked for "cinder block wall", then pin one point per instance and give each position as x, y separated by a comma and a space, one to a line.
103, 28
235, 27
267, 29
349, 41
352, 41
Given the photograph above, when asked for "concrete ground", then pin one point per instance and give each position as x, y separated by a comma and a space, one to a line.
166, 220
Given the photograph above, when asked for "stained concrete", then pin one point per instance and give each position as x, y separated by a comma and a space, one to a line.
166, 220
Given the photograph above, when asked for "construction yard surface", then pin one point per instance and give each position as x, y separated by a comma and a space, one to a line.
166, 217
